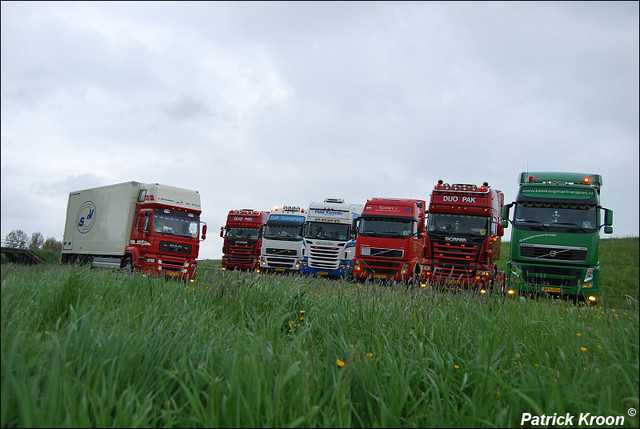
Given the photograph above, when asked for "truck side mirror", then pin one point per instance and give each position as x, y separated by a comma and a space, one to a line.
501, 228
221, 231
608, 217
505, 215
204, 231
354, 228
608, 221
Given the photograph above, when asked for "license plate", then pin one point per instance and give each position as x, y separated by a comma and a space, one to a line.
323, 273
171, 273
551, 289
279, 269
380, 276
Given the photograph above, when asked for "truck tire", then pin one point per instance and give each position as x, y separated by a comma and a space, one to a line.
127, 264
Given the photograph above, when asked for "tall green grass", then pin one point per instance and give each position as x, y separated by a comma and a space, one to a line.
86, 348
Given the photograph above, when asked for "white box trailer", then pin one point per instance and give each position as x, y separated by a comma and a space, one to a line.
106, 232
144, 227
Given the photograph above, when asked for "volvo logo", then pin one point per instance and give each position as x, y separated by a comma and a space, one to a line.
553, 253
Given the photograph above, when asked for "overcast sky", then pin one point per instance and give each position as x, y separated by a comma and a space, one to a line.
258, 104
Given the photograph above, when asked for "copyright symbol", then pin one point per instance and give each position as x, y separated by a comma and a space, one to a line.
631, 412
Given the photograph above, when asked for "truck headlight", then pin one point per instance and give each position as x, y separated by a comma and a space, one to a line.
589, 275
405, 268
150, 260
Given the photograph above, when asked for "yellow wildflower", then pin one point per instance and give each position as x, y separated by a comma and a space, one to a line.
340, 363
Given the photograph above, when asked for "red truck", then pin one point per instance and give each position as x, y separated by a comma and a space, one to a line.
133, 226
390, 240
463, 236
242, 239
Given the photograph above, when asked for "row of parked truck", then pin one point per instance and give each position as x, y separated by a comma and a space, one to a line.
454, 240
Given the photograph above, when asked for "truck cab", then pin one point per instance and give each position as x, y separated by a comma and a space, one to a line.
390, 240
329, 238
556, 224
242, 236
282, 240
463, 236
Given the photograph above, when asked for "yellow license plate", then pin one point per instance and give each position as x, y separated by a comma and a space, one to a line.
380, 276
171, 273
323, 273
551, 289
279, 269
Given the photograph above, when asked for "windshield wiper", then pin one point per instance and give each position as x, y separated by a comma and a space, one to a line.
536, 222
394, 233
575, 225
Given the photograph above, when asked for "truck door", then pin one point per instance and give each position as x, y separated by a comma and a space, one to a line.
142, 225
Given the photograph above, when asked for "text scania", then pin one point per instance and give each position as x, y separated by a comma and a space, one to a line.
455, 199
568, 420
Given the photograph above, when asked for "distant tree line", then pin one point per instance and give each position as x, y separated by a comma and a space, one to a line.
19, 239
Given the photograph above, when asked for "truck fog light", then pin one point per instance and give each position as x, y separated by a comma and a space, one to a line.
356, 265
405, 268
150, 260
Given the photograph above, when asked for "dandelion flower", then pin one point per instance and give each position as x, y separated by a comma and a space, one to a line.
584, 349
579, 334
369, 354
340, 363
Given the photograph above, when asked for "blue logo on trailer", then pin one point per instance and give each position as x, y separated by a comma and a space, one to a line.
86, 217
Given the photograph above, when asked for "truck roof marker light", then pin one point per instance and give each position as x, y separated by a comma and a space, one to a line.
531, 179
586, 180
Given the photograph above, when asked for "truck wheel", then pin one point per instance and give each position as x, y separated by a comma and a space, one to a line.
127, 265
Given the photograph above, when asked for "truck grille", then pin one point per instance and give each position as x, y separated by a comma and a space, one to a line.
382, 253
552, 276
375, 266
168, 246
288, 252
275, 262
168, 264
324, 257
454, 260
241, 253
553, 253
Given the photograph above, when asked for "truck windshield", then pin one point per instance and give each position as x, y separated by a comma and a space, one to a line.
562, 217
458, 224
174, 222
290, 232
242, 233
327, 231
385, 227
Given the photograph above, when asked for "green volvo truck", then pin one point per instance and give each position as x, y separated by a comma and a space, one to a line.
555, 235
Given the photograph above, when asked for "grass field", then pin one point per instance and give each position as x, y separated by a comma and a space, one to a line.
90, 348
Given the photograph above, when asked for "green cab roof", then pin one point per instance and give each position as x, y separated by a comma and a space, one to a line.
561, 178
